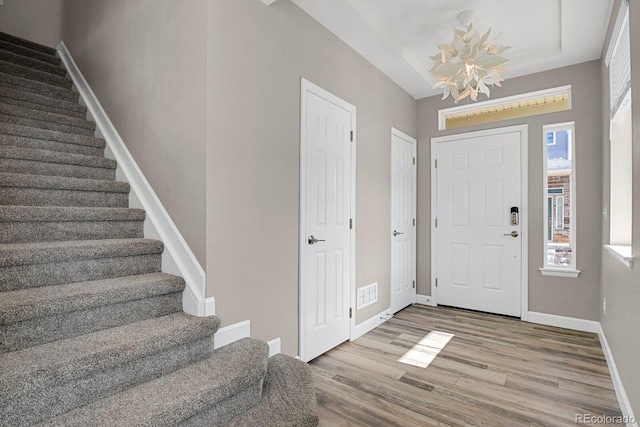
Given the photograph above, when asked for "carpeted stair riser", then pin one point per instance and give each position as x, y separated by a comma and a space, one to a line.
30, 53
59, 385
50, 135
33, 190
62, 398
20, 160
27, 232
32, 63
36, 316
219, 414
24, 224
9, 81
47, 125
21, 335
288, 397
43, 116
39, 368
234, 370
30, 167
35, 75
33, 276
26, 265
32, 101
40, 144
27, 44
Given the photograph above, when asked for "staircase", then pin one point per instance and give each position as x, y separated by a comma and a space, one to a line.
91, 331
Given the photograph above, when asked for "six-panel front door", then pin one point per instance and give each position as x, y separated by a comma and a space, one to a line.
327, 212
478, 248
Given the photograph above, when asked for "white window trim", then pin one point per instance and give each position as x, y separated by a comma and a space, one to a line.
621, 253
554, 270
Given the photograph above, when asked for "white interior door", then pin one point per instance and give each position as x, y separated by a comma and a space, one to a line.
479, 249
326, 228
403, 214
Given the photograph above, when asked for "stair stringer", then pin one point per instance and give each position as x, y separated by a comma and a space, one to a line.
177, 257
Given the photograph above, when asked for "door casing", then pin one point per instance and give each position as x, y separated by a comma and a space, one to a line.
524, 210
306, 87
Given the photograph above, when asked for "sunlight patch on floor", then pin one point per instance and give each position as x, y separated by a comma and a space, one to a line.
427, 349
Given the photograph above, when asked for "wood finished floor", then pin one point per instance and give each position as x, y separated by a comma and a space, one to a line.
494, 371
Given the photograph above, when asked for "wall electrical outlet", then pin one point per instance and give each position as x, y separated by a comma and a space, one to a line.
604, 306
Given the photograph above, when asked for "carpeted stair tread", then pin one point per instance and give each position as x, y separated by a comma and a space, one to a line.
175, 398
288, 397
41, 144
13, 110
60, 214
33, 101
36, 75
33, 63
50, 135
17, 254
26, 371
61, 183
29, 52
45, 156
28, 304
18, 82
25, 224
27, 43
48, 125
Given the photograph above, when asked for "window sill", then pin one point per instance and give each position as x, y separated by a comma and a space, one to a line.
571, 273
621, 253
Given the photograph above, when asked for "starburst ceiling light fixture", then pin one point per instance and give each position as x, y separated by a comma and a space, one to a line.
469, 64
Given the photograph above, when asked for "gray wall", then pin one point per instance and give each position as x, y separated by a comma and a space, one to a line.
620, 286
34, 20
560, 296
257, 55
146, 62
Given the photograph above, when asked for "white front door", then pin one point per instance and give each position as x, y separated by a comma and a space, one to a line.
403, 214
326, 228
478, 248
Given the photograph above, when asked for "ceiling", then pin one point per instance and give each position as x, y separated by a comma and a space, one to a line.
400, 36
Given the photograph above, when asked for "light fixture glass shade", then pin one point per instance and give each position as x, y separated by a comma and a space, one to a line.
468, 65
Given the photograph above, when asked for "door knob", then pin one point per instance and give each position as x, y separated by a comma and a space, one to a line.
313, 240
514, 233
396, 233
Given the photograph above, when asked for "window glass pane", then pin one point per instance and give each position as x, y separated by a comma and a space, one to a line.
559, 218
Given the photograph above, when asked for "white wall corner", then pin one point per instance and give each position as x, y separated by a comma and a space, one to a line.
177, 257
232, 333
274, 346
425, 300
621, 394
370, 324
268, 2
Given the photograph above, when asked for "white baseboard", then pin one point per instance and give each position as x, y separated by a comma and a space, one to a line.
177, 257
564, 322
370, 324
274, 346
232, 333
425, 300
621, 394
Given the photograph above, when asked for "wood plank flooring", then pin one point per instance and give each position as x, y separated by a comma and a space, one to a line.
435, 366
